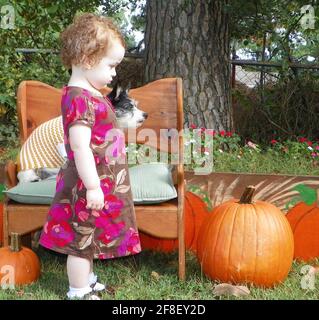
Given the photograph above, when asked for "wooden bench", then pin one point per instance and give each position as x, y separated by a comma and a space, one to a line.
163, 101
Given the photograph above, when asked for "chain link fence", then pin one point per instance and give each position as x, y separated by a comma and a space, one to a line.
271, 100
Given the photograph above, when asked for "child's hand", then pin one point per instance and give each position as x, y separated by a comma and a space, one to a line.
95, 199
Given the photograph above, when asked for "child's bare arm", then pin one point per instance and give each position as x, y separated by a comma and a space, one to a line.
80, 136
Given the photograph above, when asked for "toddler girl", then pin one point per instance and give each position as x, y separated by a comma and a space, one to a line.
92, 214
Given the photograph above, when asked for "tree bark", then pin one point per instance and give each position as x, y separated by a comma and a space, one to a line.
190, 39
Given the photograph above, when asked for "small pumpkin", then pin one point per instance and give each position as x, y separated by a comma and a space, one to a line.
304, 221
195, 213
24, 261
246, 241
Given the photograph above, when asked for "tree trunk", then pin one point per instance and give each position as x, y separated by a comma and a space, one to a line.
190, 39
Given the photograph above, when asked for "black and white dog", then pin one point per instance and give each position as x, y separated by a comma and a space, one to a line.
128, 115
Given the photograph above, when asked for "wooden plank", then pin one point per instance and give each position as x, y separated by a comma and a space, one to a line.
274, 188
159, 220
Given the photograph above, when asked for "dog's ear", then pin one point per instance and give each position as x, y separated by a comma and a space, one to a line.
115, 93
118, 92
128, 88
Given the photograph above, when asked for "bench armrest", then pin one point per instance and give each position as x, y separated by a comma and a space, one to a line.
10, 174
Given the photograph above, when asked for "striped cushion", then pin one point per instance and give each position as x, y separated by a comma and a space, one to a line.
40, 149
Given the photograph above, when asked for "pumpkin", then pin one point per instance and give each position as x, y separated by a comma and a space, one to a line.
195, 212
246, 241
24, 261
304, 221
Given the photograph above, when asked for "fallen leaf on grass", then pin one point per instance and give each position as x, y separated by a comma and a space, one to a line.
309, 276
110, 290
20, 293
155, 275
229, 289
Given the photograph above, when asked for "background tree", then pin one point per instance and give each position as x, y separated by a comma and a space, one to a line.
190, 39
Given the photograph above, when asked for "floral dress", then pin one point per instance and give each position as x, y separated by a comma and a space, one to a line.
70, 227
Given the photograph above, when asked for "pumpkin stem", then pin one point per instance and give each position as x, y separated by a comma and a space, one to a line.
15, 244
247, 196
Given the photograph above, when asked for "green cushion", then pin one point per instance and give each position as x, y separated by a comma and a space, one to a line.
40, 192
151, 183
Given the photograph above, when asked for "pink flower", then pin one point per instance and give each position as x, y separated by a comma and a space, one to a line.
314, 154
252, 145
61, 211
57, 234
99, 132
131, 243
211, 132
273, 141
229, 134
79, 104
107, 185
193, 126
101, 110
222, 133
80, 209
309, 143
111, 231
83, 215
302, 139
112, 203
75, 108
317, 147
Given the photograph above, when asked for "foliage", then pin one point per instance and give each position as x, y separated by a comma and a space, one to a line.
287, 108
37, 25
273, 27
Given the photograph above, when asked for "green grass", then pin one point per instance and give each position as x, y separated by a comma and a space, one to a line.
132, 279
267, 163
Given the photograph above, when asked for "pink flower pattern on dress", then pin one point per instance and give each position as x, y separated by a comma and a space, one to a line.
130, 244
80, 210
57, 233
61, 212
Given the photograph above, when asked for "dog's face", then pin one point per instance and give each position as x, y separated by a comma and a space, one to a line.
128, 115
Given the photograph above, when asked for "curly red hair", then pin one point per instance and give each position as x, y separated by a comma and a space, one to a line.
89, 37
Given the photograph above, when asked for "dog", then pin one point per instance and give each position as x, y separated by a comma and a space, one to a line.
127, 113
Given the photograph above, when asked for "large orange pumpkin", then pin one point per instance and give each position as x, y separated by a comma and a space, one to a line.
24, 261
246, 241
195, 213
304, 221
